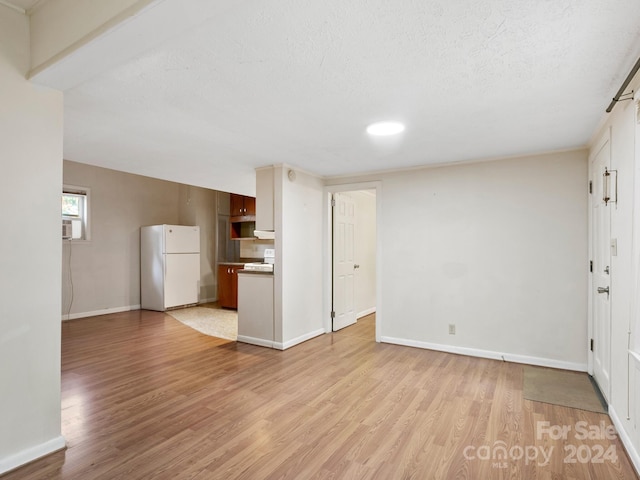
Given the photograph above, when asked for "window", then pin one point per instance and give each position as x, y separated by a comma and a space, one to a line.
75, 213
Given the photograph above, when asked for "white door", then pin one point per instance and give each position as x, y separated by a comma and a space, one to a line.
181, 277
601, 251
343, 261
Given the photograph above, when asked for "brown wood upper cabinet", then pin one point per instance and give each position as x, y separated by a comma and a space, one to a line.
242, 218
242, 206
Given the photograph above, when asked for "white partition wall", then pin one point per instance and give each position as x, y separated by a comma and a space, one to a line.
498, 249
30, 253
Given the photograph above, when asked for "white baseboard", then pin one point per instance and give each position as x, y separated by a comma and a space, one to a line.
105, 311
261, 342
302, 338
366, 312
30, 454
281, 345
474, 352
625, 439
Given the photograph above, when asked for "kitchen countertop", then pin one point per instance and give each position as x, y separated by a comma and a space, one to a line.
255, 272
242, 261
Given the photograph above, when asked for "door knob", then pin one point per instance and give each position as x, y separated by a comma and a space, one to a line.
355, 265
603, 290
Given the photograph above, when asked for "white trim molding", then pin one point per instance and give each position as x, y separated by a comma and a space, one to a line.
95, 313
302, 338
625, 439
32, 453
366, 312
261, 342
474, 352
257, 341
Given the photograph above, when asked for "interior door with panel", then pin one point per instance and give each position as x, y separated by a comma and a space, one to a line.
600, 285
343, 261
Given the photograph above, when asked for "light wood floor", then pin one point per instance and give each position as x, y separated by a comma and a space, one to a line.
145, 397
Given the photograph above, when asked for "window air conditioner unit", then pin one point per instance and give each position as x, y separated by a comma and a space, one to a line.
67, 230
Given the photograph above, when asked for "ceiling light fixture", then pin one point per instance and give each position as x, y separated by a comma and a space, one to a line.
382, 129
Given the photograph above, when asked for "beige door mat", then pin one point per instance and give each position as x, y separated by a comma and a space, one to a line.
562, 387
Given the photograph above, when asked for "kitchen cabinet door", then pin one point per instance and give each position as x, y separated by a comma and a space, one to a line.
242, 206
237, 205
255, 309
242, 216
249, 205
228, 285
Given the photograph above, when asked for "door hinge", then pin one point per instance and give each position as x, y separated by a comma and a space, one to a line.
333, 202
591, 266
590, 187
591, 344
333, 314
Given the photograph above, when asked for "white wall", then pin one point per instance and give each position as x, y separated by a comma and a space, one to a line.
30, 252
497, 248
299, 257
365, 251
624, 404
106, 270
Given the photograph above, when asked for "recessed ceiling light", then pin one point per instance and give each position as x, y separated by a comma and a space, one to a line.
385, 128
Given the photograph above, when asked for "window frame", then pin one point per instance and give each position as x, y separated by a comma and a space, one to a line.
84, 214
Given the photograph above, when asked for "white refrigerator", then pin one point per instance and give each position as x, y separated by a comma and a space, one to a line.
169, 266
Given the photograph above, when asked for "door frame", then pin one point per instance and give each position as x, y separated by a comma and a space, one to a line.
605, 139
327, 273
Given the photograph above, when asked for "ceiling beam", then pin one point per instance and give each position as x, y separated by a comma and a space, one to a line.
13, 7
137, 29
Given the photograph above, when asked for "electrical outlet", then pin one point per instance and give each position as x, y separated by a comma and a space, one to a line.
452, 329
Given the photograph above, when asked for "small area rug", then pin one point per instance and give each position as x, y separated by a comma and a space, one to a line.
561, 387
215, 322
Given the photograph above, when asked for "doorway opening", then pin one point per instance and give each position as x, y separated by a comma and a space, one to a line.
353, 248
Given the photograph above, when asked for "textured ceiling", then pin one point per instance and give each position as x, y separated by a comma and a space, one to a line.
297, 82
23, 4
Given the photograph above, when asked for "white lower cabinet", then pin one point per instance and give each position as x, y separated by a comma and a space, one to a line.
255, 308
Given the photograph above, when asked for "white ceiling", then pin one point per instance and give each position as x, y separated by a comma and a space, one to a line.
296, 82
23, 4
